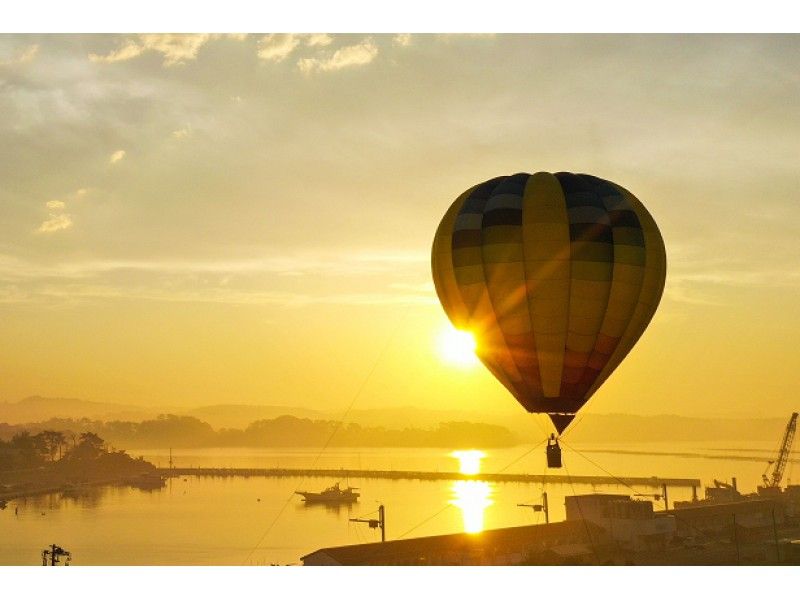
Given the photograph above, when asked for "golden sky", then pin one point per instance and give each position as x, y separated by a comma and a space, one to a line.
187, 220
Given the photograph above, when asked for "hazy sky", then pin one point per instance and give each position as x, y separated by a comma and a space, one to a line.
188, 220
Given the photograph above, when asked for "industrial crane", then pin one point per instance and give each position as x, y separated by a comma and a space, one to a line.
774, 481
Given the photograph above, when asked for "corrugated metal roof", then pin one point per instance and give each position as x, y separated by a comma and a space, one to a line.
495, 542
735, 507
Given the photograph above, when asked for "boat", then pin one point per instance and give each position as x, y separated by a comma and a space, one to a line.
332, 495
148, 481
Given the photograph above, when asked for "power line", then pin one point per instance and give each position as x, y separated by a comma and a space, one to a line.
339, 423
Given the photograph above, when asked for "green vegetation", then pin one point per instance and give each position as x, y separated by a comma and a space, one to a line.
189, 432
46, 462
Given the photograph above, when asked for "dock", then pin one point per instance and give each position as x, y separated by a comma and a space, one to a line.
518, 478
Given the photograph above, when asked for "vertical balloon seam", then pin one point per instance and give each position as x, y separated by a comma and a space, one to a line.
585, 370
586, 395
624, 348
452, 298
525, 382
446, 296
539, 191
526, 281
569, 304
659, 265
487, 358
651, 308
500, 334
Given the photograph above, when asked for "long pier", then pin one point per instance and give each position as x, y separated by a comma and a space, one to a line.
523, 478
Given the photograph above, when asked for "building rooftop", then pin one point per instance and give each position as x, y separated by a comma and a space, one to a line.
702, 509
487, 546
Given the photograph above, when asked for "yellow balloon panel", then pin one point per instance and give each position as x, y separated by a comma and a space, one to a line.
557, 274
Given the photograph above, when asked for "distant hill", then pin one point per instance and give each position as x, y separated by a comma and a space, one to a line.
593, 427
617, 427
241, 416
35, 409
399, 417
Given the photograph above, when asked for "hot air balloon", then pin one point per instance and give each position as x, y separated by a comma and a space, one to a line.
556, 275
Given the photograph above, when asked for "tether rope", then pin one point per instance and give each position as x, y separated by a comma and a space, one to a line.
585, 522
336, 428
632, 489
448, 505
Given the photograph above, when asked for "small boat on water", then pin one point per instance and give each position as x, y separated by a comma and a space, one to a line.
332, 495
148, 481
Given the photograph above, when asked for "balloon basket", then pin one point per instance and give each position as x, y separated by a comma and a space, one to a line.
553, 454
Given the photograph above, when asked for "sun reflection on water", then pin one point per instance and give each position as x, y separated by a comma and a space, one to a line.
469, 462
471, 496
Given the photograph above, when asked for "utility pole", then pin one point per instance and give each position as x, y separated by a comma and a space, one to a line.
545, 508
775, 533
380, 522
666, 500
51, 554
539, 508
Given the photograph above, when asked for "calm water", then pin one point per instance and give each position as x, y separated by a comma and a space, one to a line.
236, 521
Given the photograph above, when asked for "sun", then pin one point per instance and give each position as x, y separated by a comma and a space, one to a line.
457, 347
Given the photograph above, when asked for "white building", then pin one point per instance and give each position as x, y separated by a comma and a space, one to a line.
632, 524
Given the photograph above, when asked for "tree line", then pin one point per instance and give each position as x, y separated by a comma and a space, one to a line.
27, 451
285, 431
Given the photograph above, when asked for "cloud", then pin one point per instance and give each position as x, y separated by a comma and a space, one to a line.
79, 292
116, 156
176, 48
56, 222
130, 50
248, 281
353, 263
22, 56
347, 56
277, 46
402, 39
55, 205
182, 133
318, 39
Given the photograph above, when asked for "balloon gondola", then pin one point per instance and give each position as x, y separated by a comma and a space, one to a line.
557, 276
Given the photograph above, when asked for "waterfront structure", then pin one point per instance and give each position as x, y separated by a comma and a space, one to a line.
750, 518
602, 529
566, 542
632, 524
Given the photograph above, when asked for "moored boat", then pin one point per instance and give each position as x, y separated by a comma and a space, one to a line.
332, 495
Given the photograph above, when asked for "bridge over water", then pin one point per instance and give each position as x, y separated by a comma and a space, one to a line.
654, 482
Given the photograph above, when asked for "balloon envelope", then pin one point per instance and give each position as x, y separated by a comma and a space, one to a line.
556, 275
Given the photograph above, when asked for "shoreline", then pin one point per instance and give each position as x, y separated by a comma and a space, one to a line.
133, 481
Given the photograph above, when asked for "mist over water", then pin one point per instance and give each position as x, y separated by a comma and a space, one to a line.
205, 520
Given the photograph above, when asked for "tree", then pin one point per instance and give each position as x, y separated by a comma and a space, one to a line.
30, 449
53, 442
90, 446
